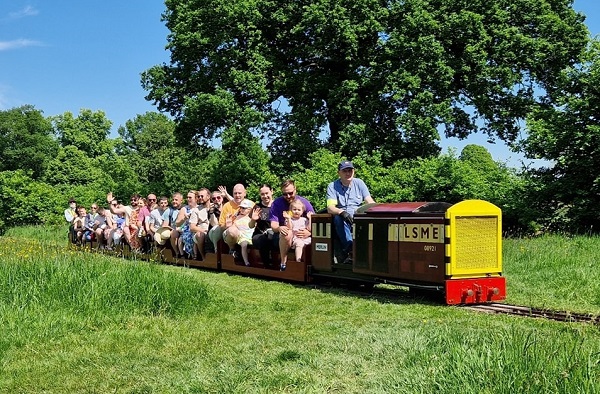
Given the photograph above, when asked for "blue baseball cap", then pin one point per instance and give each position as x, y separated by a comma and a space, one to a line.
345, 164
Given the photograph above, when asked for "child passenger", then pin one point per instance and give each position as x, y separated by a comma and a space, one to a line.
296, 222
242, 222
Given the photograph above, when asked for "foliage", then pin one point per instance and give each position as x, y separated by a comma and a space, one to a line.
88, 132
566, 133
25, 133
368, 75
147, 145
445, 178
240, 160
24, 201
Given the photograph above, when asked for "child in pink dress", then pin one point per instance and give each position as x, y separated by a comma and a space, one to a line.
296, 222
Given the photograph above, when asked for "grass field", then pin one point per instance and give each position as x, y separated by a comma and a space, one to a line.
85, 323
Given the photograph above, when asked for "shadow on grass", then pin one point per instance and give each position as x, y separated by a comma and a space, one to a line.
384, 294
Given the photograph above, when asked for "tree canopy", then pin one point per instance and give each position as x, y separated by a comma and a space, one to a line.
26, 140
565, 131
361, 75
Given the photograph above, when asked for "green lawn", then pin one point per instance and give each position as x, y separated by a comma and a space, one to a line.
82, 323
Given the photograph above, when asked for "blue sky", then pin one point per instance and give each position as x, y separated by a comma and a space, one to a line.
67, 55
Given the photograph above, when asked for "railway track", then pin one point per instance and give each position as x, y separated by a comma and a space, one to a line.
525, 311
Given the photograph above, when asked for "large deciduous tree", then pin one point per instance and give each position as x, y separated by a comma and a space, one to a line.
87, 132
26, 140
366, 75
566, 132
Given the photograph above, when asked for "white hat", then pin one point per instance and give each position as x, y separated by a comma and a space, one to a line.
246, 203
162, 234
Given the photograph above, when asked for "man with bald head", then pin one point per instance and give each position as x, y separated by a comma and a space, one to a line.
225, 230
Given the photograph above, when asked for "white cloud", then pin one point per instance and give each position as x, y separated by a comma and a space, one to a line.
20, 43
27, 11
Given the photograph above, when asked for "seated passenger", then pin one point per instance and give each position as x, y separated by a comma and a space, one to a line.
132, 222
98, 226
70, 214
199, 222
185, 244
116, 238
155, 220
240, 224
228, 211
109, 227
94, 212
297, 223
263, 234
126, 211
214, 213
79, 224
344, 196
143, 218
281, 205
170, 220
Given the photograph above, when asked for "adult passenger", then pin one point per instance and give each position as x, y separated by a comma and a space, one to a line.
199, 222
263, 234
344, 196
126, 211
155, 220
214, 212
278, 220
133, 224
186, 237
70, 215
170, 219
227, 231
71, 212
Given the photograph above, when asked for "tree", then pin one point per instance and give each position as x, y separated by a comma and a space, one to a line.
25, 201
368, 75
241, 159
566, 132
87, 132
147, 143
26, 140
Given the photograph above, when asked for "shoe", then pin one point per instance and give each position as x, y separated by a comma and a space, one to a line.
247, 263
234, 254
282, 267
348, 260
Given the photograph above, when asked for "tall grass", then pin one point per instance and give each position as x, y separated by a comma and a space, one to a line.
554, 271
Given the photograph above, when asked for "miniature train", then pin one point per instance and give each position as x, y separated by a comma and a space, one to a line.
454, 250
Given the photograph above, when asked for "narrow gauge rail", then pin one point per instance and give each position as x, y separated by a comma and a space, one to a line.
516, 310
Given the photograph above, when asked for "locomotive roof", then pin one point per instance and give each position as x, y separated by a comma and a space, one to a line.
405, 207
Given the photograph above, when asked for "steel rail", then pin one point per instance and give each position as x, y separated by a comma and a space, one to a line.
525, 311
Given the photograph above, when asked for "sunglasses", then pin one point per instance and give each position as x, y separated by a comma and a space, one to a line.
216, 198
94, 207
152, 199
286, 194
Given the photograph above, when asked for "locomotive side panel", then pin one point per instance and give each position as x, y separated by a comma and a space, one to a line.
400, 248
421, 243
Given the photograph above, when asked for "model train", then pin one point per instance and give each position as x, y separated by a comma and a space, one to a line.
452, 249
